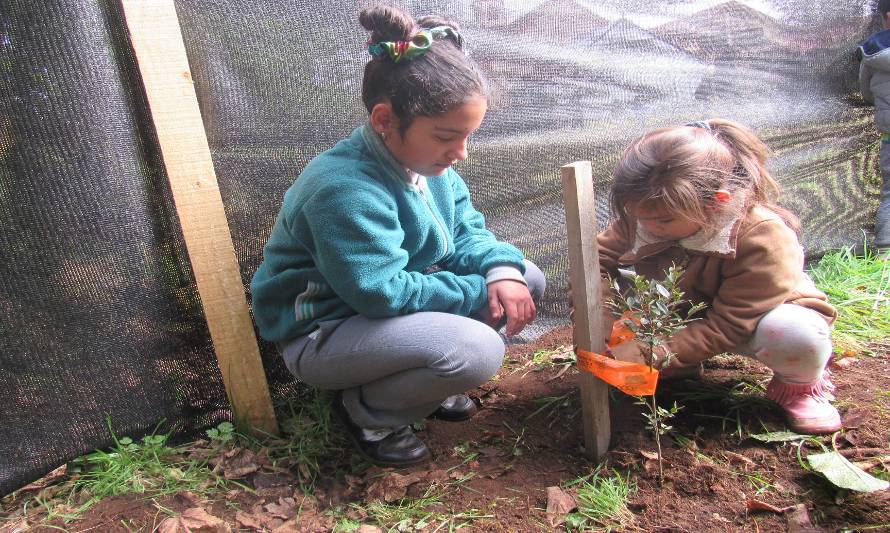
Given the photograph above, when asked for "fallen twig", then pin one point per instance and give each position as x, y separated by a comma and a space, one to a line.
873, 462
850, 452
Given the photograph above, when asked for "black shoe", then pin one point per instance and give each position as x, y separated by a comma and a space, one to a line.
456, 408
399, 448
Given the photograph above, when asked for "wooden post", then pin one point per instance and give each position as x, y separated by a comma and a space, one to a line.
584, 274
163, 65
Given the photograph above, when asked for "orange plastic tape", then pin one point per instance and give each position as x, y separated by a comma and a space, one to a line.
620, 332
630, 378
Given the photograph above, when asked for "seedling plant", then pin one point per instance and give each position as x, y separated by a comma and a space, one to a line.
654, 310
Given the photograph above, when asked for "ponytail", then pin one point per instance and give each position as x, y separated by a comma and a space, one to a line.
750, 154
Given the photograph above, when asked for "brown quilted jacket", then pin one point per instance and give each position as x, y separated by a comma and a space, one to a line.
742, 271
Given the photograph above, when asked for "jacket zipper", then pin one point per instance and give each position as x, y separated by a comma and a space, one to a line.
439, 224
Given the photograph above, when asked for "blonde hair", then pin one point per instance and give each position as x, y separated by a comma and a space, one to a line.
682, 167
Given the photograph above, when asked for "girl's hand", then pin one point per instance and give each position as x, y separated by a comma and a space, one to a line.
633, 352
629, 352
510, 298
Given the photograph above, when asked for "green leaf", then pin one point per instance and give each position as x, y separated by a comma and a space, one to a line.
845, 474
778, 436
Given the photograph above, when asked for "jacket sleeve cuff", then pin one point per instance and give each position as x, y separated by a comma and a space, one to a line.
497, 273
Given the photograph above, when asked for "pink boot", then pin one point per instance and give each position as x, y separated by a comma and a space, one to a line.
806, 406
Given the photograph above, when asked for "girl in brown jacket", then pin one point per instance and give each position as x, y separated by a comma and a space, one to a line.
700, 196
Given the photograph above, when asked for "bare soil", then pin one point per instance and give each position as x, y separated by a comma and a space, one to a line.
496, 467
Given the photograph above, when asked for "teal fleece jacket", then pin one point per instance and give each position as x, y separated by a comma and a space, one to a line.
354, 236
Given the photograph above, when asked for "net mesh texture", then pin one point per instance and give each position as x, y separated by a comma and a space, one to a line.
101, 325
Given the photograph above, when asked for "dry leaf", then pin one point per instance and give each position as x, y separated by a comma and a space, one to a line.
291, 526
491, 436
799, 520
559, 504
53, 477
194, 520
238, 465
285, 508
739, 458
391, 487
188, 498
365, 528
845, 362
172, 525
248, 520
757, 505
197, 519
649, 455
15, 527
438, 474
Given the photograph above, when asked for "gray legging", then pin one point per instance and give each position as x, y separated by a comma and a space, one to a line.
793, 341
882, 218
395, 371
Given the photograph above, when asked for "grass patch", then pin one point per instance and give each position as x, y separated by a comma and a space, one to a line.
859, 287
308, 436
150, 467
427, 512
545, 359
602, 502
560, 356
729, 401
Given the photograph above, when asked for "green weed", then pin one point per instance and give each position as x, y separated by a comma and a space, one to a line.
465, 452
427, 512
602, 502
149, 466
742, 397
859, 287
308, 435
560, 356
551, 405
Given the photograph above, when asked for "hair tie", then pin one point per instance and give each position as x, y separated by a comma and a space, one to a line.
416, 47
703, 124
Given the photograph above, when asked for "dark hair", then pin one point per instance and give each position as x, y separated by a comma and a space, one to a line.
426, 86
883, 7
682, 167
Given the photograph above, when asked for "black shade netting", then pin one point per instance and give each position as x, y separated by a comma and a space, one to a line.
99, 314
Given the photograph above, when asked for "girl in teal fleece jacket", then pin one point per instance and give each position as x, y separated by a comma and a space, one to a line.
379, 279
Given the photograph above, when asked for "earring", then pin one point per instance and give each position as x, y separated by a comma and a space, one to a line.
383, 135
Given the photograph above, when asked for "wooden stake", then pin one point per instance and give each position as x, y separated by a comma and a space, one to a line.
160, 52
584, 274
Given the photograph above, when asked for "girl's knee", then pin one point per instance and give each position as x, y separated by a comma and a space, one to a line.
535, 279
792, 338
478, 353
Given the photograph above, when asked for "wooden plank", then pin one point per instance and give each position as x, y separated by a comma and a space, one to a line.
581, 229
160, 51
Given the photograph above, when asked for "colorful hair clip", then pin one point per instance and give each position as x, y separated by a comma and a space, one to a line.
417, 46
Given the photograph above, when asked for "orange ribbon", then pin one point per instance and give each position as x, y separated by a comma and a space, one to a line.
630, 378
